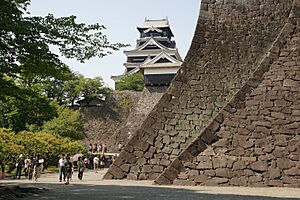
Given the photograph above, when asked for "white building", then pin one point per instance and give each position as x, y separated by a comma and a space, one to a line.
155, 55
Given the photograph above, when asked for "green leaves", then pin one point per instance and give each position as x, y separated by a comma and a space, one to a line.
25, 40
133, 82
18, 113
67, 124
48, 146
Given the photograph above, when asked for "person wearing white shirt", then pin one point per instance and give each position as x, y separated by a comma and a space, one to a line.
61, 168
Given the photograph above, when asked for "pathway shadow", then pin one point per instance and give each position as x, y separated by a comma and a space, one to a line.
113, 192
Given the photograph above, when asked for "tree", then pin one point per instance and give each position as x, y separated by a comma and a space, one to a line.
48, 146
67, 124
25, 40
76, 88
17, 114
133, 82
27, 65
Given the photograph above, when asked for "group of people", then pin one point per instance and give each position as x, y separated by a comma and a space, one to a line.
32, 167
97, 148
66, 168
99, 162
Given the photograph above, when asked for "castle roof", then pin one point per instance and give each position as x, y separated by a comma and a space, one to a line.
156, 23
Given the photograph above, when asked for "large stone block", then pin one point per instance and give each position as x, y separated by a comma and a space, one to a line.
116, 172
284, 163
260, 166
223, 172
184, 182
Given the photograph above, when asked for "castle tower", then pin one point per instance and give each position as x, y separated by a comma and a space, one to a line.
155, 55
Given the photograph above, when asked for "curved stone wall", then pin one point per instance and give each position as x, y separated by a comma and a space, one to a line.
254, 140
231, 40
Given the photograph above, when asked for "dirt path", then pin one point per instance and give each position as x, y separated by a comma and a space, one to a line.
93, 187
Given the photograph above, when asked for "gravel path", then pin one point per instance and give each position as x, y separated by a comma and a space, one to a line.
93, 187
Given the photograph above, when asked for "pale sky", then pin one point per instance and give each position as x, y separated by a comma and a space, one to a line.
121, 18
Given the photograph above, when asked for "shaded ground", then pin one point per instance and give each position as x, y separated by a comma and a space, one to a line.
92, 187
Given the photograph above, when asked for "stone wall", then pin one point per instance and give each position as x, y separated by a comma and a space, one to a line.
139, 112
254, 140
102, 124
231, 40
122, 114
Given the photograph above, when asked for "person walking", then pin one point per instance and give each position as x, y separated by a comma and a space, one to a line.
102, 162
30, 168
96, 164
81, 168
68, 167
26, 164
61, 168
38, 167
19, 165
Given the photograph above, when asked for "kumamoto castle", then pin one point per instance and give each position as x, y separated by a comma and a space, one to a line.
231, 114
155, 54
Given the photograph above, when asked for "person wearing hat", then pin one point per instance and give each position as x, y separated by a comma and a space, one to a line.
20, 163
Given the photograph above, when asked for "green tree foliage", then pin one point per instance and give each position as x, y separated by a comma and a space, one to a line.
17, 114
67, 124
25, 40
133, 82
48, 146
31, 75
76, 88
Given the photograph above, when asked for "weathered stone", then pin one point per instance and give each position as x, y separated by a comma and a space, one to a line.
131, 176
290, 180
284, 163
154, 161
219, 162
216, 181
275, 183
138, 154
148, 154
116, 172
280, 140
241, 96
274, 173
241, 181
127, 157
184, 182
162, 180
290, 83
171, 173
294, 171
183, 176
201, 178
210, 173
142, 177
141, 161
147, 168
239, 151
153, 176
158, 168
125, 167
166, 139
256, 178
205, 165
135, 169
223, 172
239, 165
208, 152
260, 166
193, 172
221, 143
280, 152
164, 162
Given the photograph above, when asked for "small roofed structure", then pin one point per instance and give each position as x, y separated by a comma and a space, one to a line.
155, 55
